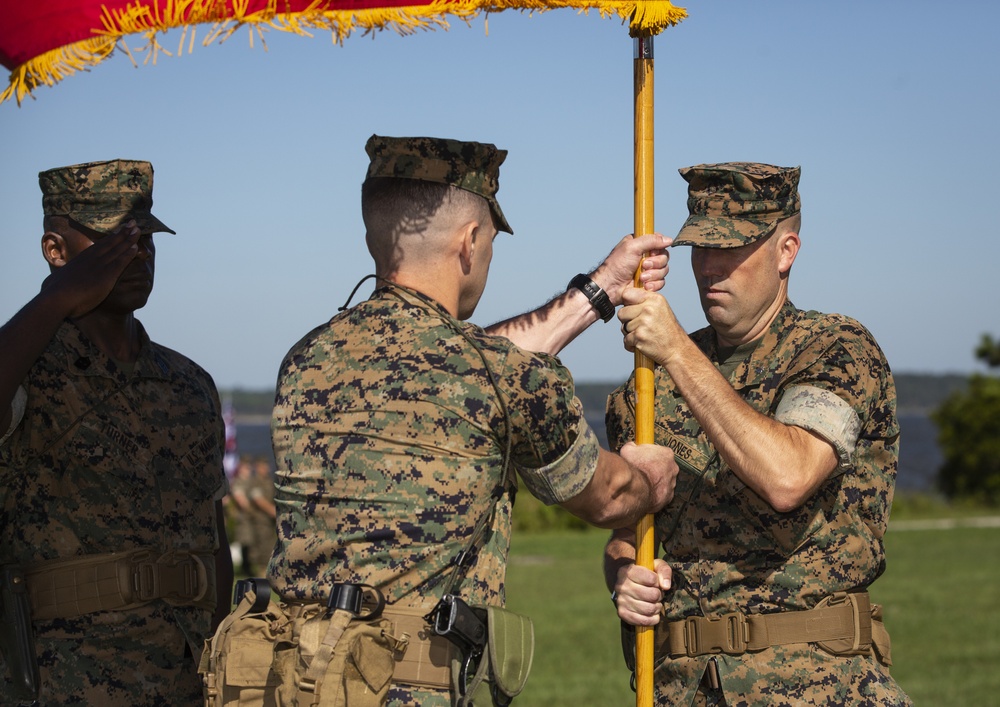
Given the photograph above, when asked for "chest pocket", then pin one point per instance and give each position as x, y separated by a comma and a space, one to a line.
199, 460
696, 459
189, 480
104, 442
92, 426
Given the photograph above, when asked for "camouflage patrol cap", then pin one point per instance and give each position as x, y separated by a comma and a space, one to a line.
102, 195
736, 203
472, 166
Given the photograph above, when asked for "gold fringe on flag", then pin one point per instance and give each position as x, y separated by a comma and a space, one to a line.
150, 18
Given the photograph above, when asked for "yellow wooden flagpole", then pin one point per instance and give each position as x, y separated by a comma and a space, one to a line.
644, 416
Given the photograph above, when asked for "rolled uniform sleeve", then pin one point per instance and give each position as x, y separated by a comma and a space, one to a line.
824, 413
554, 450
568, 475
839, 394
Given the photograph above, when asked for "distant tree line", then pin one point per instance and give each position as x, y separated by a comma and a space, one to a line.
917, 393
968, 423
249, 402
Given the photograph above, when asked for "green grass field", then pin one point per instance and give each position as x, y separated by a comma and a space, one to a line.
941, 593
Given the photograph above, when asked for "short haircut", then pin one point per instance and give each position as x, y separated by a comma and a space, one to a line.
407, 205
792, 223
56, 224
59, 223
394, 209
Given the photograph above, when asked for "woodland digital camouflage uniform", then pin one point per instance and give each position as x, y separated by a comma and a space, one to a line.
242, 530
141, 470
389, 439
110, 459
102, 195
732, 204
730, 551
261, 523
473, 166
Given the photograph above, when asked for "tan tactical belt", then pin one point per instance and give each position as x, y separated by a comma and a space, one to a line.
842, 624
426, 660
74, 586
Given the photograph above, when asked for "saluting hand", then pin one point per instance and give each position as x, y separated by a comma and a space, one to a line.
84, 280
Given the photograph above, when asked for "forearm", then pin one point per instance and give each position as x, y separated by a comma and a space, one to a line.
619, 552
781, 463
551, 327
266, 506
618, 494
22, 341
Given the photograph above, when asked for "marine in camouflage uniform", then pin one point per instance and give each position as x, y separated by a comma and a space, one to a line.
260, 496
238, 510
392, 420
111, 445
732, 548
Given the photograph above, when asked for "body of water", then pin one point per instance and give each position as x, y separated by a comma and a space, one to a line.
919, 454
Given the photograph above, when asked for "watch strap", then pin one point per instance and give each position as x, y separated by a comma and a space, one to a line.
598, 298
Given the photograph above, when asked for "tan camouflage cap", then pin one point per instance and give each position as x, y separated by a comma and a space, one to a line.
736, 203
102, 195
473, 166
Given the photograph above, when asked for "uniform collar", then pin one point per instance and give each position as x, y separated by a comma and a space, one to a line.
83, 358
757, 367
411, 296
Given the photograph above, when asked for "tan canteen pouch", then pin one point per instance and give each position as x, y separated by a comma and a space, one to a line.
237, 663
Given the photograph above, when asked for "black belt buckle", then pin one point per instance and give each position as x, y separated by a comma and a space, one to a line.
261, 590
360, 600
346, 597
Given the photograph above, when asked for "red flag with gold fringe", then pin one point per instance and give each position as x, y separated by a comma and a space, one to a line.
44, 41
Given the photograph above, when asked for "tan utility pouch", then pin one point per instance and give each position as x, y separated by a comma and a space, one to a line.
342, 660
869, 634
857, 626
880, 637
505, 664
427, 660
273, 654
238, 663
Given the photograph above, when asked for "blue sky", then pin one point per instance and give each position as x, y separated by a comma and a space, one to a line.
890, 108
